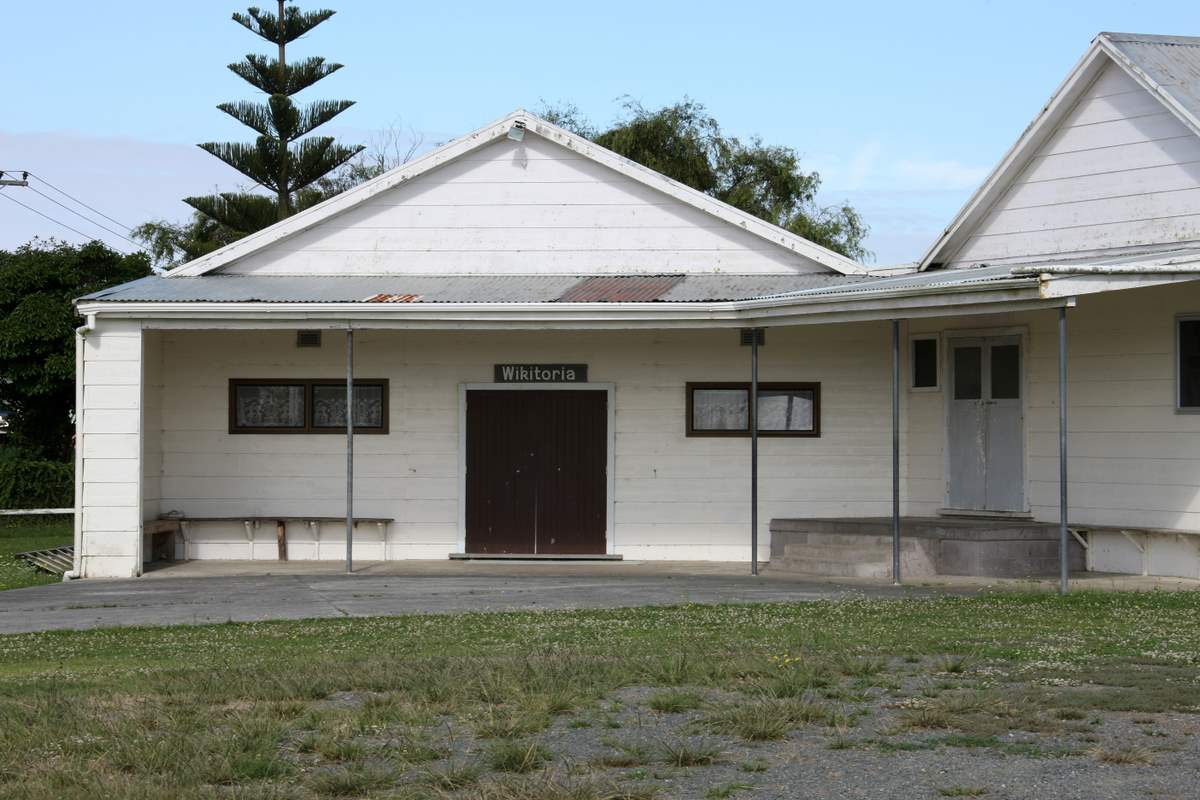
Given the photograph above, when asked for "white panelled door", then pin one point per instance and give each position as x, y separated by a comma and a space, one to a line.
986, 425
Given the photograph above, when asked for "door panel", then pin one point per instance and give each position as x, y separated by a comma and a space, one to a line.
500, 475
572, 507
986, 425
1005, 430
537, 471
968, 427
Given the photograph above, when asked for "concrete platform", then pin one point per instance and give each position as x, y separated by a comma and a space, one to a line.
220, 591
243, 591
992, 547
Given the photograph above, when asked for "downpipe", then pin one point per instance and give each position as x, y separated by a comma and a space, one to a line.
88, 326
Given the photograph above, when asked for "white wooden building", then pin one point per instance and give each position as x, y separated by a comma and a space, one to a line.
552, 356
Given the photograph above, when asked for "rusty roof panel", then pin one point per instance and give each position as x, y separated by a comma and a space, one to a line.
384, 297
620, 289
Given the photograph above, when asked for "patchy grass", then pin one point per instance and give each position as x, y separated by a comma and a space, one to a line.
674, 702
722, 791
754, 765
460, 705
351, 781
681, 752
1122, 755
625, 753
453, 776
516, 756
767, 719
21, 534
552, 786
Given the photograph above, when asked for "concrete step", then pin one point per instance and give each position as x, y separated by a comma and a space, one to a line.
832, 569
846, 540
837, 552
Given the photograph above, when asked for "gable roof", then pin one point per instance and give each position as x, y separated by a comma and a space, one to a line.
1168, 67
533, 125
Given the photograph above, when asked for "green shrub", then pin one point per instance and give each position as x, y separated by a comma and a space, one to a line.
30, 483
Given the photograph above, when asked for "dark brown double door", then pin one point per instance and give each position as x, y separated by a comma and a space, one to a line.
536, 471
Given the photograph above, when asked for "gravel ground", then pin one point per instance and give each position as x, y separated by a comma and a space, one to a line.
624, 742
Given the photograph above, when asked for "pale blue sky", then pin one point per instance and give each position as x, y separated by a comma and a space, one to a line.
902, 107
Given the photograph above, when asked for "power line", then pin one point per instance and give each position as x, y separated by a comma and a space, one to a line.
77, 200
55, 221
83, 217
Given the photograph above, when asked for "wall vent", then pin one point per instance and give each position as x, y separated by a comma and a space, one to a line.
308, 338
748, 334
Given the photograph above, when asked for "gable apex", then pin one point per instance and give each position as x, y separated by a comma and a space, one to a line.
1165, 67
515, 125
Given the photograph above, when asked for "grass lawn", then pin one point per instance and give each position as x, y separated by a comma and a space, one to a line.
695, 701
21, 534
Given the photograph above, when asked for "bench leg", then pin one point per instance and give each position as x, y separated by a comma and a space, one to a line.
183, 535
281, 539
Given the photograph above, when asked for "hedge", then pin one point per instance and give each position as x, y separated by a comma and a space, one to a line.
28, 483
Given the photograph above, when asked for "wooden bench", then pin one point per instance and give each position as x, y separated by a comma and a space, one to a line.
1140, 538
179, 526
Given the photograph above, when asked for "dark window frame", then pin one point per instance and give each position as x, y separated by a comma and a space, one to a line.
805, 386
308, 384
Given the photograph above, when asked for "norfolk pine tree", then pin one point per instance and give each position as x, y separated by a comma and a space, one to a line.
280, 159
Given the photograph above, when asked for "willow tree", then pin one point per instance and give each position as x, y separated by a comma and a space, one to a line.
281, 159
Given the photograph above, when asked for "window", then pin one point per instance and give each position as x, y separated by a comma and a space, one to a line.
1189, 363
968, 373
1006, 371
925, 362
723, 409
306, 406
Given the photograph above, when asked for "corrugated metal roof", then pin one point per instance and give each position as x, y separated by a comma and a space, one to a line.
1172, 62
619, 289
933, 279
453, 288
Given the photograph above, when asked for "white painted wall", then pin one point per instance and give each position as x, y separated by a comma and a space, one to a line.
522, 208
1120, 171
109, 435
152, 388
1134, 460
676, 498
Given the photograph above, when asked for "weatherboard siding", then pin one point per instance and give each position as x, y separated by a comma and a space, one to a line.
109, 437
522, 208
676, 497
1120, 171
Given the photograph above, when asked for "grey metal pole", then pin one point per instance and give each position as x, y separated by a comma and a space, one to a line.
349, 450
896, 451
1063, 534
754, 451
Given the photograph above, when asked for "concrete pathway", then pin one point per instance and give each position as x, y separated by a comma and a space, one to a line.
220, 591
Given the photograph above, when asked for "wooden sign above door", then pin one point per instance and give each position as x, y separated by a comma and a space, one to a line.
541, 373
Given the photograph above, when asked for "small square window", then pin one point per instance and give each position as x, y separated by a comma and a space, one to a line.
1189, 363
925, 363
